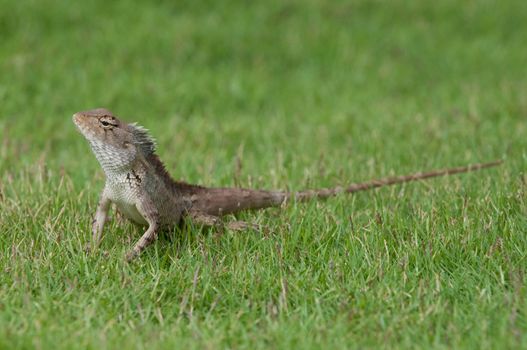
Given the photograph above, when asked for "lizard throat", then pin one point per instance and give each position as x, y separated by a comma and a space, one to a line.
113, 160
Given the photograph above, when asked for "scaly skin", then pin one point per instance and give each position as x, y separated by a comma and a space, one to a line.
143, 191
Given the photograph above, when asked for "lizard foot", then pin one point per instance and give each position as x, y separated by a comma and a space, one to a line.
130, 256
91, 248
242, 225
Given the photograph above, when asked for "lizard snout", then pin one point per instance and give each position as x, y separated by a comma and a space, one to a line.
76, 118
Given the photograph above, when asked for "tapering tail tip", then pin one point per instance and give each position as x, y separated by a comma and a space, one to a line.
468, 168
368, 185
486, 165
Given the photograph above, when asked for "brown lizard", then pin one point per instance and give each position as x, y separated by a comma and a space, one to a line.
143, 191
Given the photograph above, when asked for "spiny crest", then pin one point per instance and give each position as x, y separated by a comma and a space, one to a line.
143, 139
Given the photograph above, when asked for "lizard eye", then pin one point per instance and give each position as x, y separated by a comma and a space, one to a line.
106, 123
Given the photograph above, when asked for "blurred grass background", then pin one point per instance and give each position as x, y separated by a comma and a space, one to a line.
271, 94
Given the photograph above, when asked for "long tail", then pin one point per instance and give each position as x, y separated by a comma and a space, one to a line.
221, 201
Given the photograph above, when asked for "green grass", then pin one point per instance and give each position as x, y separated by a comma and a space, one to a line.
301, 94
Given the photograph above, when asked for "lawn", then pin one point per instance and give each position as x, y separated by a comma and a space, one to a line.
278, 95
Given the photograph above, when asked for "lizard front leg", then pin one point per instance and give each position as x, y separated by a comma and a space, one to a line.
100, 219
148, 210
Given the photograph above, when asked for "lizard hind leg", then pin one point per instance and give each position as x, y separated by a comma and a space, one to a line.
204, 219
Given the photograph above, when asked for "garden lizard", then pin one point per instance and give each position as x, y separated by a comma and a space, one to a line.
143, 191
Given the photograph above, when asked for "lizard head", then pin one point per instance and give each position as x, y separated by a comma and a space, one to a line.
116, 144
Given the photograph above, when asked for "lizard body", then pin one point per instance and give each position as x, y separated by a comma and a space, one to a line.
144, 192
